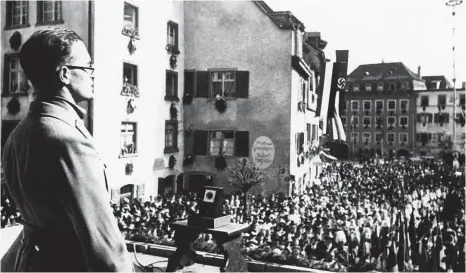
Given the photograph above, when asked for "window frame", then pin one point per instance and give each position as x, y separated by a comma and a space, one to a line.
394, 137
380, 86
344, 121
366, 87
171, 24
424, 98
400, 138
357, 85
174, 147
352, 109
174, 95
405, 85
211, 88
364, 105
388, 105
134, 68
364, 139
135, 23
403, 117
444, 97
209, 142
407, 104
462, 97
390, 85
40, 13
381, 110
6, 92
9, 15
135, 139
364, 118
378, 134
394, 121
354, 124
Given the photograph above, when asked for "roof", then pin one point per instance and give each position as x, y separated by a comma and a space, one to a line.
444, 83
283, 19
382, 71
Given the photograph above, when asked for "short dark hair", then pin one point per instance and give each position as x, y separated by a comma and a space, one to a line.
44, 51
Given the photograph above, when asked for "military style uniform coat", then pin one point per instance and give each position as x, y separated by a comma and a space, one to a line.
58, 182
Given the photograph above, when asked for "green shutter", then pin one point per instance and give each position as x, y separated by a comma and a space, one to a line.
242, 143
203, 82
242, 84
200, 142
189, 82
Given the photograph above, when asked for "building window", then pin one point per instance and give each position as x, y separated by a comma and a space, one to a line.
172, 34
392, 105
404, 105
128, 138
403, 138
344, 121
308, 131
378, 137
368, 87
424, 101
171, 85
222, 142
391, 121
392, 87
355, 121
442, 101
171, 136
17, 14
354, 105
405, 86
367, 105
314, 133
366, 138
462, 100
130, 17
379, 105
391, 137
49, 12
356, 87
442, 118
130, 80
223, 84
378, 121
310, 93
379, 86
15, 81
434, 138
366, 121
404, 121
355, 137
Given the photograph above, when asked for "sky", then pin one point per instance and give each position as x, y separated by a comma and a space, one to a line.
415, 32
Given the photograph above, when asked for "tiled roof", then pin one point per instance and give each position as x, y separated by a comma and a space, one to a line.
382, 71
283, 19
444, 83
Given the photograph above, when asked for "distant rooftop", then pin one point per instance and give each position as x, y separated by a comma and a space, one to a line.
283, 19
382, 71
437, 82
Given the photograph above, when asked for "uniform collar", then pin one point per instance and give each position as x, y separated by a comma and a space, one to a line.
61, 106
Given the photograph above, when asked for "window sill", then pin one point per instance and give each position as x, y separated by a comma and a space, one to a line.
16, 94
128, 35
128, 155
16, 27
172, 98
169, 150
227, 99
58, 22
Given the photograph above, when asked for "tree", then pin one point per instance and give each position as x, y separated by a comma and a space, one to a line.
244, 174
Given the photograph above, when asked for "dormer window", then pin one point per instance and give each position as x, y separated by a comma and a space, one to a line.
392, 87
405, 86
368, 87
356, 87
379, 86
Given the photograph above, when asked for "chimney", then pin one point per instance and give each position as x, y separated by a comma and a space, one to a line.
463, 86
419, 71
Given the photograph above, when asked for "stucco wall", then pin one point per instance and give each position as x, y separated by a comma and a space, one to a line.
152, 110
239, 35
75, 17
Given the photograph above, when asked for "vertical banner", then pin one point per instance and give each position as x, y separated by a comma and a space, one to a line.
337, 89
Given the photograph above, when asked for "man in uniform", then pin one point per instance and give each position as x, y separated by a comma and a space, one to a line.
52, 168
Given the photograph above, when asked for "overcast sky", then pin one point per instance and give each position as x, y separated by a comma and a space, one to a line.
415, 32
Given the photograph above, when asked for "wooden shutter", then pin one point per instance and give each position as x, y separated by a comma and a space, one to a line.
200, 142
242, 143
202, 86
188, 143
301, 142
242, 84
189, 81
436, 118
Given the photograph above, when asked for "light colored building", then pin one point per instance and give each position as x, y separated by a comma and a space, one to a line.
252, 56
435, 121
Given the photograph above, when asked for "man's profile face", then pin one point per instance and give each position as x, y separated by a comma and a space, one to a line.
82, 80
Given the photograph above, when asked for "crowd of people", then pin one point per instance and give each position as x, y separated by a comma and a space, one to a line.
355, 217
408, 216
9, 213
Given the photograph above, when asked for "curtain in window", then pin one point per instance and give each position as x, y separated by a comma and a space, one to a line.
215, 141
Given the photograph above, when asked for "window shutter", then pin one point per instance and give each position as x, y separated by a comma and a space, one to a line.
175, 135
189, 82
418, 117
202, 88
301, 142
242, 143
436, 118
188, 143
242, 84
200, 142
40, 13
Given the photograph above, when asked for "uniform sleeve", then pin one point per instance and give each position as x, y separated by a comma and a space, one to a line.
86, 201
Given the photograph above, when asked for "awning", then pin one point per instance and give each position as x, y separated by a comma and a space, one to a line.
326, 156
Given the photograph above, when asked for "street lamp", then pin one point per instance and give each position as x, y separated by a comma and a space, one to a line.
453, 4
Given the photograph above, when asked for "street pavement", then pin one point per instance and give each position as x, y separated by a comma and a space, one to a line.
8, 236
